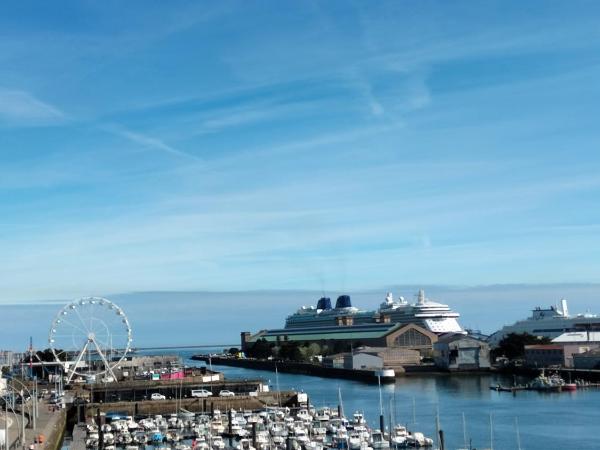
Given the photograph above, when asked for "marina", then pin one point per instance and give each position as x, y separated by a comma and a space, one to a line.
416, 401
274, 428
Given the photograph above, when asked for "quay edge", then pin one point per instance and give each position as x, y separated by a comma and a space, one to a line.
300, 368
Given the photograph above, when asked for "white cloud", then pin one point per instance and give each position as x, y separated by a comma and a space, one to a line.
22, 108
149, 142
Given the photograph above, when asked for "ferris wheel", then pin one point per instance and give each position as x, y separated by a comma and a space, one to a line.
90, 337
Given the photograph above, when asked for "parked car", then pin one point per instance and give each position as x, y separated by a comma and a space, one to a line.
226, 393
201, 393
157, 396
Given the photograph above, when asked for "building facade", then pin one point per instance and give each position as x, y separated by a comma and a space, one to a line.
405, 336
589, 360
459, 352
373, 358
556, 354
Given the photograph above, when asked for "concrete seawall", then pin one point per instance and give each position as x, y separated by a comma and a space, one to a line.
149, 407
56, 431
300, 368
142, 390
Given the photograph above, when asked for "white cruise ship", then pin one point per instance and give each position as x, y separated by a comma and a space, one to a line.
549, 322
433, 316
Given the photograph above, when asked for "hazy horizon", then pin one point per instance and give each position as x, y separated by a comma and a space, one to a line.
202, 318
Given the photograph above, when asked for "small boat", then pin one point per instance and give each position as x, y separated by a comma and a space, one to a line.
386, 375
245, 444
378, 440
157, 437
109, 438
218, 443
140, 437
417, 439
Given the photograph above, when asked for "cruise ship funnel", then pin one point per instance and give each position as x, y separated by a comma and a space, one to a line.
324, 303
343, 301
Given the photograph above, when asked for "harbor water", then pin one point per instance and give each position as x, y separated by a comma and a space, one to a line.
545, 421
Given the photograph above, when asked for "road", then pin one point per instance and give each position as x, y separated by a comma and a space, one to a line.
47, 423
13, 426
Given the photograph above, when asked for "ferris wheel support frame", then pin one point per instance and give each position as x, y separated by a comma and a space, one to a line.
91, 340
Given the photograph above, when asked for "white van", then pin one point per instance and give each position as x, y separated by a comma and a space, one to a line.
201, 393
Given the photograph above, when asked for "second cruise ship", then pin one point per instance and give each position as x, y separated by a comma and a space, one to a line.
549, 322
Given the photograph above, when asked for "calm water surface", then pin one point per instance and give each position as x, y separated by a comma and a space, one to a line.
553, 421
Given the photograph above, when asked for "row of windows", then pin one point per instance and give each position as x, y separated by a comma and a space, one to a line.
545, 352
412, 338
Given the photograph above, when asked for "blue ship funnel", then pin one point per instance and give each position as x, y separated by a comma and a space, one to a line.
324, 303
343, 301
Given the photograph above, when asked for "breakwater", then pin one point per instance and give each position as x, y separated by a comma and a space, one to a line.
299, 368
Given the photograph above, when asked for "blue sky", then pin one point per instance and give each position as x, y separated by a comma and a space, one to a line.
296, 145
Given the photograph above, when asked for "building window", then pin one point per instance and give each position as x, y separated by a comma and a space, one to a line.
412, 338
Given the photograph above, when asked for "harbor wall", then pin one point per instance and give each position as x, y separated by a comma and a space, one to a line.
142, 389
298, 368
56, 431
150, 407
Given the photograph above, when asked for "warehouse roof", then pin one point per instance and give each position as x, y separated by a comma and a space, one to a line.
578, 336
363, 331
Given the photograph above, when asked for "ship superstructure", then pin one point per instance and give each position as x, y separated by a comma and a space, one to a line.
549, 322
433, 316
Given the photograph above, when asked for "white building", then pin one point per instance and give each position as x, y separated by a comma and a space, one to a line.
578, 337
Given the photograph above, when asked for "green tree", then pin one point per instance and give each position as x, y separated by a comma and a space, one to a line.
315, 349
290, 351
46, 355
261, 349
513, 345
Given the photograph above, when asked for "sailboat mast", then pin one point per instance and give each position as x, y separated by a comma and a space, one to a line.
491, 431
437, 426
381, 422
464, 423
340, 401
518, 433
278, 390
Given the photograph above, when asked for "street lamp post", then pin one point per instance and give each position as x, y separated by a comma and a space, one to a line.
6, 440
21, 429
22, 418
